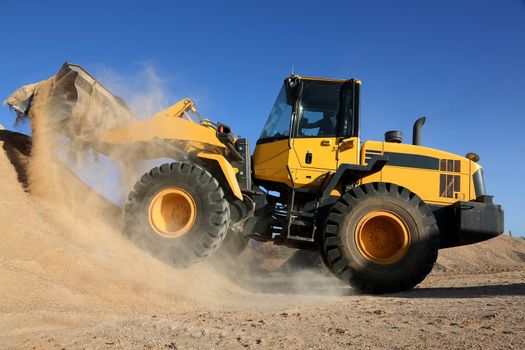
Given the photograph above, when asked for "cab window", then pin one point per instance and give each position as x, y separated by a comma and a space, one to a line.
278, 123
318, 109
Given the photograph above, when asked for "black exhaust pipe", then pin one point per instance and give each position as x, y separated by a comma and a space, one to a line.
416, 132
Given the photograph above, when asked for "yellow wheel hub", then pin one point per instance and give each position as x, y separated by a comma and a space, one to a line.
172, 212
382, 237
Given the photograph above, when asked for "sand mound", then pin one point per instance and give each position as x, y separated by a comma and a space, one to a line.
499, 254
54, 259
39, 252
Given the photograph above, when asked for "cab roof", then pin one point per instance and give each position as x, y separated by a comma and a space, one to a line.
332, 80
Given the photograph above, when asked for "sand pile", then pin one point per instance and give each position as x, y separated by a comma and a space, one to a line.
500, 254
55, 258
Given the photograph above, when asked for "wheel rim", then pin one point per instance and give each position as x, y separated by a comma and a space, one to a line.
172, 212
382, 237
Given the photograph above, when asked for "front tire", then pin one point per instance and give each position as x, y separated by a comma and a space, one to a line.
380, 238
177, 212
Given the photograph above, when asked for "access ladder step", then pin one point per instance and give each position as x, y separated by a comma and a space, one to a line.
302, 214
303, 223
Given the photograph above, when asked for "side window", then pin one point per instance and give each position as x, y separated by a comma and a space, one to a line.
314, 123
319, 109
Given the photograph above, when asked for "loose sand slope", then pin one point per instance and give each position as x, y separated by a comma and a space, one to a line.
69, 280
57, 259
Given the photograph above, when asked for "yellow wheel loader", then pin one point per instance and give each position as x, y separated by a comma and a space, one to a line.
378, 212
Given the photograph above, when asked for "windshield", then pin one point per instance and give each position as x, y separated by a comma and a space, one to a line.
278, 123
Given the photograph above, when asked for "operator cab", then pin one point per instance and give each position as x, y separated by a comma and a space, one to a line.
312, 127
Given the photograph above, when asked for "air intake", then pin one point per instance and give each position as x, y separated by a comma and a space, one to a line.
394, 136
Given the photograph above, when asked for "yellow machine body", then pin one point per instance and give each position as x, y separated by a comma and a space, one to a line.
436, 176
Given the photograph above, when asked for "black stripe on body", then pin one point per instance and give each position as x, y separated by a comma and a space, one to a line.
412, 161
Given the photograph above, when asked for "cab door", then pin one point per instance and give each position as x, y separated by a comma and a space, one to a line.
315, 141
326, 132
312, 160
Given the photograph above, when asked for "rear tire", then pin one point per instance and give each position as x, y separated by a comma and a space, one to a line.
177, 212
380, 238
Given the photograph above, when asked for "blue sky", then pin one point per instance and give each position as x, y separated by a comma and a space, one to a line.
460, 63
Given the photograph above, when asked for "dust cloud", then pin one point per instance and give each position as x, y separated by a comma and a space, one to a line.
144, 91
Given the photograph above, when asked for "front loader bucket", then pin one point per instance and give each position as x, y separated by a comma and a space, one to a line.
74, 103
